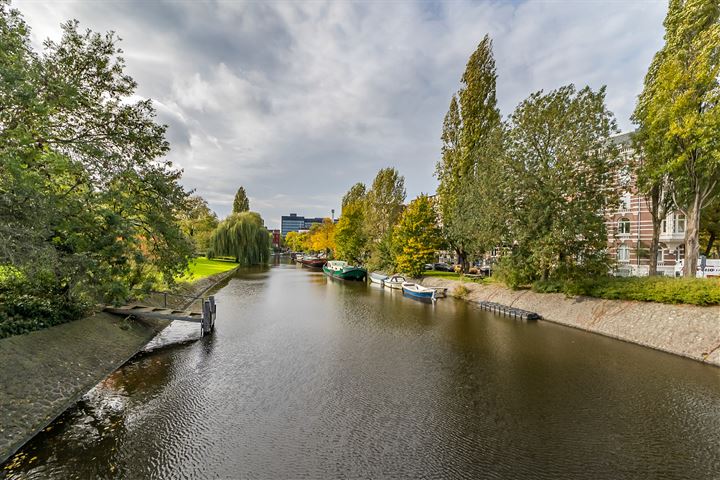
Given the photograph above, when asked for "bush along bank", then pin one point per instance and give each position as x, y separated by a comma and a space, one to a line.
690, 291
691, 331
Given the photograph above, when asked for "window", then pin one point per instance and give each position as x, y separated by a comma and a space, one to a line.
660, 256
679, 223
625, 200
624, 226
623, 253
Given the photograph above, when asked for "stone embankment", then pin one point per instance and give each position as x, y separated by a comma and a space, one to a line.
685, 330
45, 372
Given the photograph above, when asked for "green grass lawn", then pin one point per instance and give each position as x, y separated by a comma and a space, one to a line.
202, 267
453, 276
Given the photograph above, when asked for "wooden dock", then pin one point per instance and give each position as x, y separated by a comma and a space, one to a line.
206, 318
509, 311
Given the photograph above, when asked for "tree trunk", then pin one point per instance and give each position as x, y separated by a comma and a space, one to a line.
656, 217
654, 245
711, 240
692, 236
461, 257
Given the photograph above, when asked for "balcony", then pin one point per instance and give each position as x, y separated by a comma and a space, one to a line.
672, 236
673, 228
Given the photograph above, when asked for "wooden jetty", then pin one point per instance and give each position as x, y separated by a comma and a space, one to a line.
509, 311
206, 318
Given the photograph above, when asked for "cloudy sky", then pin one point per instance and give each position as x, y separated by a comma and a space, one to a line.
297, 101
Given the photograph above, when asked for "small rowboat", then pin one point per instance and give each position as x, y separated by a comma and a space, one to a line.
395, 281
378, 277
418, 291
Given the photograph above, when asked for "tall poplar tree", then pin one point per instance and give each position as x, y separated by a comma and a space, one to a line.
471, 163
678, 113
356, 194
241, 202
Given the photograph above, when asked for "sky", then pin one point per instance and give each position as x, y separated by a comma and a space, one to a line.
297, 101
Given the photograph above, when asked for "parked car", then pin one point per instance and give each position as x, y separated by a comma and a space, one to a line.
428, 266
443, 267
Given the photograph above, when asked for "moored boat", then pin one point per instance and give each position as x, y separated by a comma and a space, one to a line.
394, 281
340, 269
378, 277
418, 291
313, 262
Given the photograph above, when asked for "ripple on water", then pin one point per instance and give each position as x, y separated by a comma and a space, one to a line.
310, 378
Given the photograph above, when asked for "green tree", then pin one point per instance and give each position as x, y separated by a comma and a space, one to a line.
470, 170
198, 222
562, 167
678, 112
350, 237
357, 193
417, 236
241, 202
243, 236
383, 206
88, 202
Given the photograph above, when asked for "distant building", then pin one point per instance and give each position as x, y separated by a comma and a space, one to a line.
276, 238
295, 223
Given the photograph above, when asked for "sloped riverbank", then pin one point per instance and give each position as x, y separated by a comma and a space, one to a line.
686, 330
45, 372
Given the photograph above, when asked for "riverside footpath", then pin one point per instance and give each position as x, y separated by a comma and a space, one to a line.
45, 372
686, 330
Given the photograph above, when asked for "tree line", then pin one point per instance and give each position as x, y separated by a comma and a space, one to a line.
91, 209
537, 187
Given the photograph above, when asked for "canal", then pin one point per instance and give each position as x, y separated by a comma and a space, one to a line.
308, 377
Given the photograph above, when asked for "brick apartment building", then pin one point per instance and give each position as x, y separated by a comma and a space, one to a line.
630, 230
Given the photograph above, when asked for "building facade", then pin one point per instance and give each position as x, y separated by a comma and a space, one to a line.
630, 229
275, 238
295, 223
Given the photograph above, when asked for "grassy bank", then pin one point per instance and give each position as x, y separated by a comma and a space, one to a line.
202, 267
456, 276
691, 291
24, 307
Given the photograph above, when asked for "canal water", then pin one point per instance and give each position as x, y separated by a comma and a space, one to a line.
308, 377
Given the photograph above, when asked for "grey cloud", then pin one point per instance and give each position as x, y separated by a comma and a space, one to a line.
298, 101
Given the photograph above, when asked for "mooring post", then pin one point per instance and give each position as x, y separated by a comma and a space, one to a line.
206, 314
213, 311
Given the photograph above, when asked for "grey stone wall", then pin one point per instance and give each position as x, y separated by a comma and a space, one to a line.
686, 330
45, 372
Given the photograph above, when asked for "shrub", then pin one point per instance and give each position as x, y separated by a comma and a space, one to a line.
25, 307
698, 291
461, 291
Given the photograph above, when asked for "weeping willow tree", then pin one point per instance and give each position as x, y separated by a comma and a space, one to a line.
243, 236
